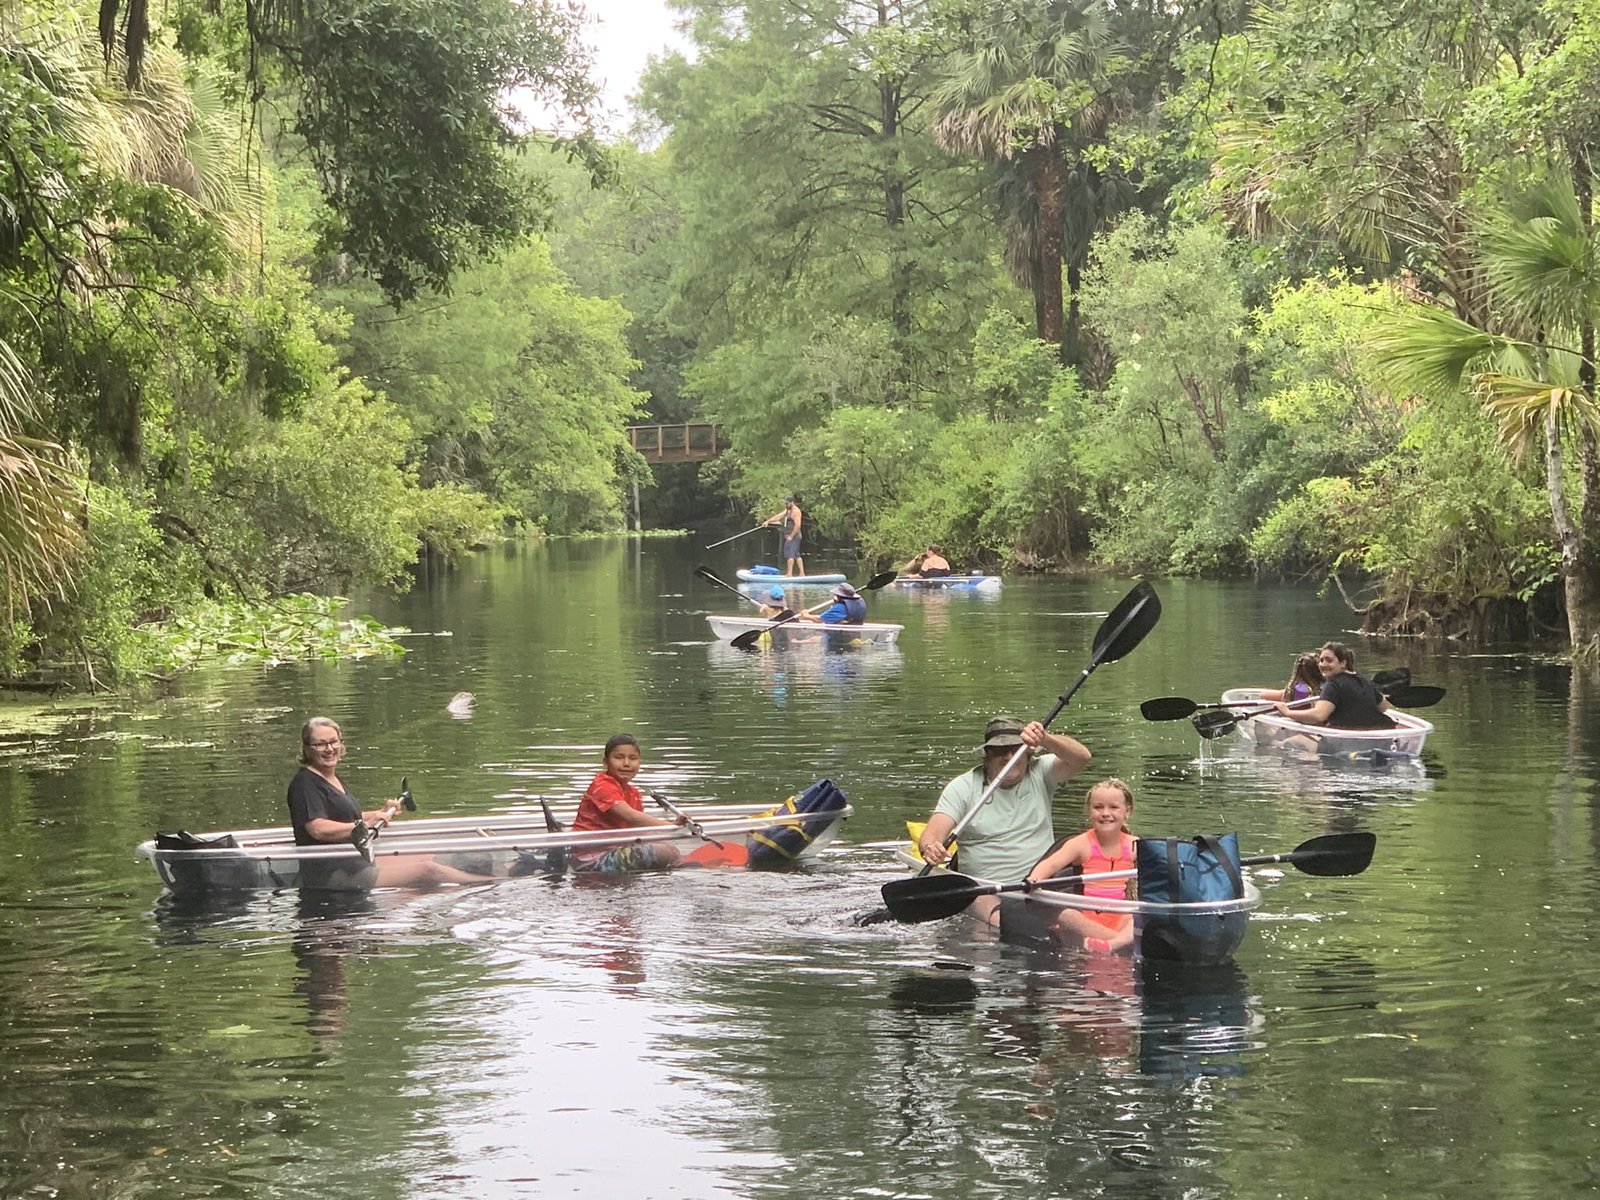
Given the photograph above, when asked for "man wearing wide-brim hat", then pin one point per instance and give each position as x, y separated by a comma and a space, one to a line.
1013, 829
848, 608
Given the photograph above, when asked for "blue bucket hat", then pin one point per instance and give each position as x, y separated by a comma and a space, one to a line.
775, 594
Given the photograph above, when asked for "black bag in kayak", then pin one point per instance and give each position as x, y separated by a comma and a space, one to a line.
1189, 871
778, 845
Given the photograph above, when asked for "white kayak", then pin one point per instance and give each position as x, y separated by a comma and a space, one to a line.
807, 633
777, 577
495, 846
1269, 731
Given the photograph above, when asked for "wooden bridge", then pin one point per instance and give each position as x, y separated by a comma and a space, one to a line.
676, 443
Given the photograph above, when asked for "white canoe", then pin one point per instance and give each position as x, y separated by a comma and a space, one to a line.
500, 845
1199, 933
803, 633
954, 583
1272, 732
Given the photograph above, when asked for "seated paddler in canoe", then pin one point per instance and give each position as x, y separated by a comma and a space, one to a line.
323, 811
1106, 845
612, 802
1013, 830
1346, 698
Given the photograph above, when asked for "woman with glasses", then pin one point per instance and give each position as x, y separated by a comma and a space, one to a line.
322, 810
1013, 830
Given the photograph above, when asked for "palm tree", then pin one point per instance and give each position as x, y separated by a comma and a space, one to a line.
1029, 88
1533, 371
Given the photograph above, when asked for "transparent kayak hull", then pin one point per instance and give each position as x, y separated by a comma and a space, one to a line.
1273, 732
802, 633
496, 846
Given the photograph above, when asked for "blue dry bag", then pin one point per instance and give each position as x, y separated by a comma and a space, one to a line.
1189, 871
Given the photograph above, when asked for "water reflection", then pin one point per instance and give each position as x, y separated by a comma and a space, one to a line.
786, 672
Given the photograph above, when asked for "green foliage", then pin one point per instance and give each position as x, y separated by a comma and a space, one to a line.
288, 628
517, 387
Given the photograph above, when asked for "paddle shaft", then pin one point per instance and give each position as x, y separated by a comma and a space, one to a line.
1104, 644
705, 574
361, 834
737, 536
922, 898
686, 820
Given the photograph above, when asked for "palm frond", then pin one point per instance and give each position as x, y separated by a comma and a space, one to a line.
1429, 351
1520, 407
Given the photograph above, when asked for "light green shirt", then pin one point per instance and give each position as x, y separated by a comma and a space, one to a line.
1012, 831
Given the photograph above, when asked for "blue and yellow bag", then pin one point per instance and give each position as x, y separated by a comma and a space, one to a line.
779, 845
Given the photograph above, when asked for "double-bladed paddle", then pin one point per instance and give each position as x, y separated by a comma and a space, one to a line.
705, 573
362, 834
1124, 628
750, 636
935, 897
685, 819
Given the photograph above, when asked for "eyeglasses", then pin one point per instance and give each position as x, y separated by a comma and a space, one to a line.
325, 745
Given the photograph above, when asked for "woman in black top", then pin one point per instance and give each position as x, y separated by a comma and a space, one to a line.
323, 811
1348, 699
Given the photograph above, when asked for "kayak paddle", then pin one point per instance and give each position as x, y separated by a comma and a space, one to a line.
1134, 616
705, 573
935, 897
361, 834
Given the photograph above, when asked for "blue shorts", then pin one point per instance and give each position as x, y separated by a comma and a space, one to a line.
624, 860
791, 546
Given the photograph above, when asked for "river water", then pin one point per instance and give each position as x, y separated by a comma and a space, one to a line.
1424, 1029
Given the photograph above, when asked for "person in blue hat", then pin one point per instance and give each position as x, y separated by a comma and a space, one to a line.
773, 604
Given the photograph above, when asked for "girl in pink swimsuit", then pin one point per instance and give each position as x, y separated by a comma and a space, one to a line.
1105, 846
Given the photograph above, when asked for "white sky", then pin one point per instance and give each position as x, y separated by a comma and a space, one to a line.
624, 34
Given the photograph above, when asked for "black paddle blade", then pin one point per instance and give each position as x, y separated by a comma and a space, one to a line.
361, 839
881, 580
930, 897
1334, 854
1168, 708
551, 823
1213, 725
705, 573
406, 802
1134, 616
747, 639
1420, 696
1397, 678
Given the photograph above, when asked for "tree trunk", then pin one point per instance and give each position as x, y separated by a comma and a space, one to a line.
1583, 583
1049, 182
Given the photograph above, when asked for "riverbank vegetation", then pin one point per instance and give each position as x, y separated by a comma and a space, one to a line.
1284, 291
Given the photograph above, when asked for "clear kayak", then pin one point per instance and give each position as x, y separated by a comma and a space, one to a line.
1269, 731
497, 846
1197, 933
773, 575
802, 633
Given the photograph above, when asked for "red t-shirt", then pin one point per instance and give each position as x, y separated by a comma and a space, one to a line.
604, 794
